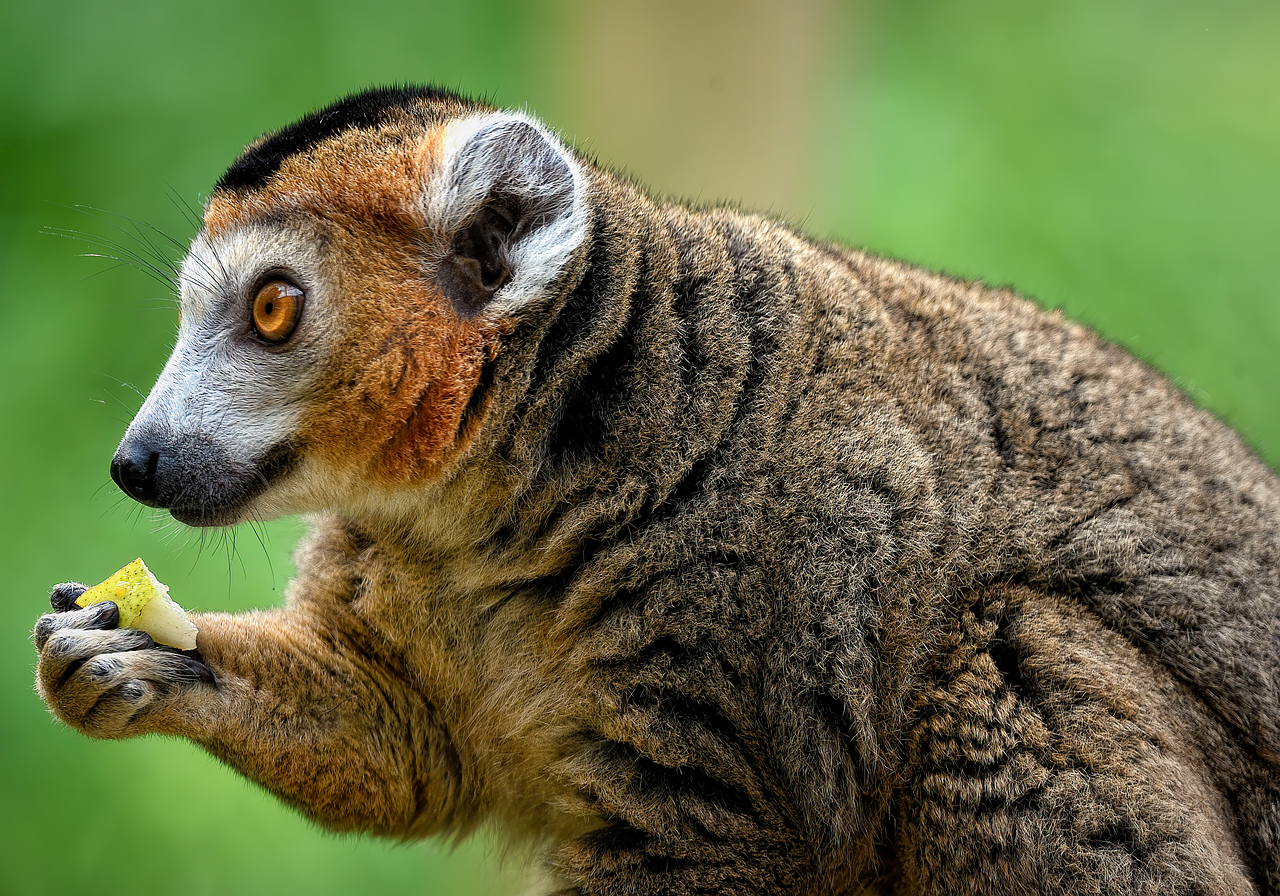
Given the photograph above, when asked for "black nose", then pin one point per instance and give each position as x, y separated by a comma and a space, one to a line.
135, 472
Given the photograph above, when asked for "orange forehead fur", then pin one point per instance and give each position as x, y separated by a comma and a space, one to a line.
394, 391
357, 174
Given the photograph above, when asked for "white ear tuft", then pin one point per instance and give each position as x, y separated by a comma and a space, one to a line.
512, 198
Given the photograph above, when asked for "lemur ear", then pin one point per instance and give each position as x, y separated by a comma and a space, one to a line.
510, 198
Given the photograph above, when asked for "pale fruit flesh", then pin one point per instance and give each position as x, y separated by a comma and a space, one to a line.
144, 605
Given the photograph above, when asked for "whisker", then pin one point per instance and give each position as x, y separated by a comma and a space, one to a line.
147, 247
136, 232
259, 530
127, 385
153, 253
165, 271
182, 205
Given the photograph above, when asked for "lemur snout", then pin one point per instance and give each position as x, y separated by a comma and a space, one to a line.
134, 470
192, 475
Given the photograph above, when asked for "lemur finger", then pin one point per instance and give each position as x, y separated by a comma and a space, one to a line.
113, 711
109, 692
65, 649
102, 694
63, 597
101, 616
191, 668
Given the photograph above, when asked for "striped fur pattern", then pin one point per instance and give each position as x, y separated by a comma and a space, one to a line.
695, 555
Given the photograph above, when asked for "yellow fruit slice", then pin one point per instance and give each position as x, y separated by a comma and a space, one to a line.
144, 605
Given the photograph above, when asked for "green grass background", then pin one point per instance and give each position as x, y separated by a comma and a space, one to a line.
1117, 158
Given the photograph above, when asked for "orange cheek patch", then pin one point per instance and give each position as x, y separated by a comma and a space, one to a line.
396, 409
399, 381
427, 428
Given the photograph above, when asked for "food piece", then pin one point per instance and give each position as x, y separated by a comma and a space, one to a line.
144, 605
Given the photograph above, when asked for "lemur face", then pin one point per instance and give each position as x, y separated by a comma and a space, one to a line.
218, 428
354, 274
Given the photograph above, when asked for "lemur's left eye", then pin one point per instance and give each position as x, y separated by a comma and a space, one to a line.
276, 310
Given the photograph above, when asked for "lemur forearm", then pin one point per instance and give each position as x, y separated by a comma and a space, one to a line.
326, 727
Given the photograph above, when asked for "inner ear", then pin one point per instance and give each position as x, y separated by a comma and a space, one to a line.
508, 203
478, 263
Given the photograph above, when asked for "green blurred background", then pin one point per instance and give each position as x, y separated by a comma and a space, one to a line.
1116, 158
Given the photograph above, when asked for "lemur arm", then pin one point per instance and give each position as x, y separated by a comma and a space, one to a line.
289, 697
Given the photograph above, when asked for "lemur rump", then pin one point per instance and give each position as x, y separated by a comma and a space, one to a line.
705, 557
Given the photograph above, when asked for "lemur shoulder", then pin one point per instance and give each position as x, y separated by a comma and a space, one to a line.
705, 557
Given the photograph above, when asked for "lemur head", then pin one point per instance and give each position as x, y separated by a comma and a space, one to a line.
354, 274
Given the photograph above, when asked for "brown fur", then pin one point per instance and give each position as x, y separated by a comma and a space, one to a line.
736, 563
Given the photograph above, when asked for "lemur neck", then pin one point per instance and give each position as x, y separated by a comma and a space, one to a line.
611, 409
643, 372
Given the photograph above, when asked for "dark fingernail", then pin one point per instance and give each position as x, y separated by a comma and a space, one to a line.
63, 597
197, 671
107, 614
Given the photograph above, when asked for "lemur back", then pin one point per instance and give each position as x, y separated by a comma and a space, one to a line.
701, 556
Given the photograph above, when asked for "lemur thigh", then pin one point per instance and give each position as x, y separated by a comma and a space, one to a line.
1052, 758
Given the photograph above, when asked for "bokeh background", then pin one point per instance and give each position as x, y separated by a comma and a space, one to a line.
1117, 158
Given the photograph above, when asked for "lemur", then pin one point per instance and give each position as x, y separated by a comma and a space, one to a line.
696, 555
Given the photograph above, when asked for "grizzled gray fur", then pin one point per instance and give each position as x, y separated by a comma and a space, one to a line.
702, 557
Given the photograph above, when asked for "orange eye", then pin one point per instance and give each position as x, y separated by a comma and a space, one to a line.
276, 310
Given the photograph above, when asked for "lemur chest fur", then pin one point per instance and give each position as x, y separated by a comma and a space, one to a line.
486, 655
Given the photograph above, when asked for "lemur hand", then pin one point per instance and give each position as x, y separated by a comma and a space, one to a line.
103, 680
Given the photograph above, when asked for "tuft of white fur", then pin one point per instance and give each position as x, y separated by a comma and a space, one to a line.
514, 154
